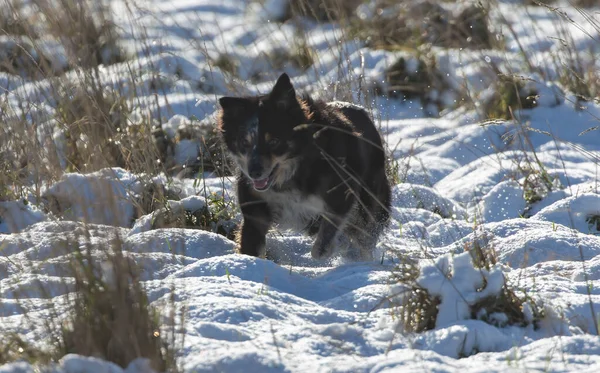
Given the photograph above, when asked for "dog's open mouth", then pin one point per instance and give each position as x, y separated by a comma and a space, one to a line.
264, 184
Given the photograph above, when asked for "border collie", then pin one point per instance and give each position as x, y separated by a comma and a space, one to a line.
311, 166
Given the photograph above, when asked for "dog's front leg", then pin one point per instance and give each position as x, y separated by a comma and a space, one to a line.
253, 235
256, 224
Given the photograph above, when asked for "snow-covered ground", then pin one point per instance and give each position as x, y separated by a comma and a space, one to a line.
463, 182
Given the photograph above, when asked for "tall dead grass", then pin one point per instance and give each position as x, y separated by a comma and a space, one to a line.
108, 315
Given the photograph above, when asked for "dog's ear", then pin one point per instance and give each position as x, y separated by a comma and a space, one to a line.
283, 93
232, 104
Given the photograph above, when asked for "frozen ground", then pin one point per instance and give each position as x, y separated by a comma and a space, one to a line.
462, 181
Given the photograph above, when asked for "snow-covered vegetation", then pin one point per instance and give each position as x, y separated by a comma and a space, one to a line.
117, 212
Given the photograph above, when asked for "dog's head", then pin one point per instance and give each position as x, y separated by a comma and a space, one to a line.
260, 133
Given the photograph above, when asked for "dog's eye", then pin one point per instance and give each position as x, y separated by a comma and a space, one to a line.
274, 142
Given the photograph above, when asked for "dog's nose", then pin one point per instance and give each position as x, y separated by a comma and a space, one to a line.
255, 166
255, 172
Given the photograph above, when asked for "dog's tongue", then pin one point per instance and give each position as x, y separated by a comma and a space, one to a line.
261, 184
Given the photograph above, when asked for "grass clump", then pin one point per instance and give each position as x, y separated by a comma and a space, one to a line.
8, 176
211, 155
593, 223
537, 183
531, 174
471, 29
226, 64
109, 315
14, 348
322, 10
19, 56
154, 197
498, 305
506, 307
11, 21
410, 78
418, 309
417, 77
299, 56
214, 214
508, 95
94, 115
23, 158
582, 79
98, 132
392, 25
105, 313
571, 66
85, 29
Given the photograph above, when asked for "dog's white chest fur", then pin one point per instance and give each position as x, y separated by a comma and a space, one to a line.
291, 210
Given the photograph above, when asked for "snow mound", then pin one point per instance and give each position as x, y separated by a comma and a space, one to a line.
422, 197
581, 213
17, 215
192, 243
522, 243
81, 364
464, 339
504, 201
102, 197
146, 222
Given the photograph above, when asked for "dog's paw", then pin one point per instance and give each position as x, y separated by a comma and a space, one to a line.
320, 250
321, 253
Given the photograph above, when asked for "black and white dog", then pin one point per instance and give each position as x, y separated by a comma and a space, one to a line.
307, 165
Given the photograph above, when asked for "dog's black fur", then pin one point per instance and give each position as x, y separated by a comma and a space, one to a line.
307, 165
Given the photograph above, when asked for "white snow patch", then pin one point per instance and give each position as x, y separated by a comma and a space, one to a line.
458, 285
17, 215
581, 213
504, 201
